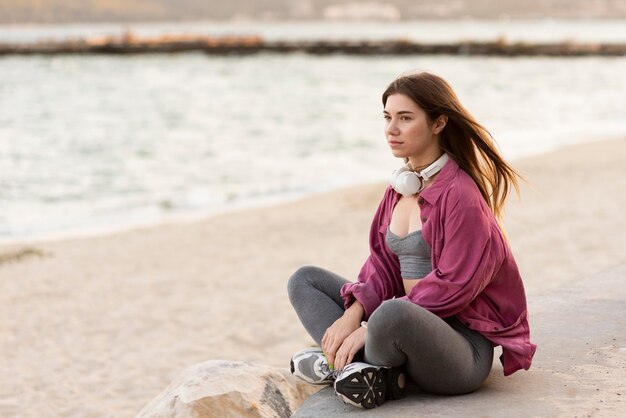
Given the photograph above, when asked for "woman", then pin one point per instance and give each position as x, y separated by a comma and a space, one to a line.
440, 288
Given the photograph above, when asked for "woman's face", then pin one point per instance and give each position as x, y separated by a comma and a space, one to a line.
408, 132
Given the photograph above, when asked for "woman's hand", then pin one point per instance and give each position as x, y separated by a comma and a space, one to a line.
340, 330
351, 345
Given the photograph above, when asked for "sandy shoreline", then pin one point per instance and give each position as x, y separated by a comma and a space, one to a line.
99, 326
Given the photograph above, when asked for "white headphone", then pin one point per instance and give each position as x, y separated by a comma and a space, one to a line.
407, 182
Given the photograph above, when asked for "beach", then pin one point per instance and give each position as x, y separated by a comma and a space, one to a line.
98, 326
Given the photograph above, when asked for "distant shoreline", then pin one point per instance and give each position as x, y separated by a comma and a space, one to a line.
244, 45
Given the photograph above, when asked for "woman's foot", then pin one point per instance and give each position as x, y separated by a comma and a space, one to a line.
311, 366
367, 386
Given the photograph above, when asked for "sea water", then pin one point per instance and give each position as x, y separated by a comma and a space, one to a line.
101, 142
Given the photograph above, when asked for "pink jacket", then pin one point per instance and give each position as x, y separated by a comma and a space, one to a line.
474, 274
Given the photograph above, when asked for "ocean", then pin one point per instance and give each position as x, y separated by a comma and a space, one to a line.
93, 144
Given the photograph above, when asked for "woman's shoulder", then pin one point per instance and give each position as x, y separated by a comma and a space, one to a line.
462, 190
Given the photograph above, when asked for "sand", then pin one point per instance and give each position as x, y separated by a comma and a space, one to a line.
99, 326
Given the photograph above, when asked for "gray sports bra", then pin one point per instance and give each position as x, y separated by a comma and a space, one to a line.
413, 253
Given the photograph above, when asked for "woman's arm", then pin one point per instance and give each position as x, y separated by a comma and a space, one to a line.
377, 279
368, 290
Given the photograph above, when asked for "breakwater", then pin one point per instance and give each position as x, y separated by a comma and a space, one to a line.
239, 45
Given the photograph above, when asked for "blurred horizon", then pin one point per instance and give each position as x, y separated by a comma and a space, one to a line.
89, 11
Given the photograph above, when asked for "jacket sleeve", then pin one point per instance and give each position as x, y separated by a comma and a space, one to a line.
370, 288
471, 255
377, 279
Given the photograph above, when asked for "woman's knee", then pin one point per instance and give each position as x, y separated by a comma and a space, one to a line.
300, 279
394, 315
393, 310
385, 329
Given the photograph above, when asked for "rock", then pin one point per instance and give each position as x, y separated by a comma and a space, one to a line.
224, 389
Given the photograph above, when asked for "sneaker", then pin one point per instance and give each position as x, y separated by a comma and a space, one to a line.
368, 386
311, 366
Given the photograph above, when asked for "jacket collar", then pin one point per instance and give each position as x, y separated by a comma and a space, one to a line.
432, 193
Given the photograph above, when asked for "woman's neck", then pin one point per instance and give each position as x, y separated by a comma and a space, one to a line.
418, 164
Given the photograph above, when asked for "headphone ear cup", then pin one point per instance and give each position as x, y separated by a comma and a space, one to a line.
396, 173
405, 182
408, 183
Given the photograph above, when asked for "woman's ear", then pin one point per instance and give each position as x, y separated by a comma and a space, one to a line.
440, 124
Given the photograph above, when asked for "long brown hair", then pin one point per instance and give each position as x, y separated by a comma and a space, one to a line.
463, 138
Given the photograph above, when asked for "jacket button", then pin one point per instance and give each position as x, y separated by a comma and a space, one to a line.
496, 328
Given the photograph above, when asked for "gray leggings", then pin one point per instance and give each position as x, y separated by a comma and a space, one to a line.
441, 356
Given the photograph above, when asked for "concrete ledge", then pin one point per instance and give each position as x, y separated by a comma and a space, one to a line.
579, 368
